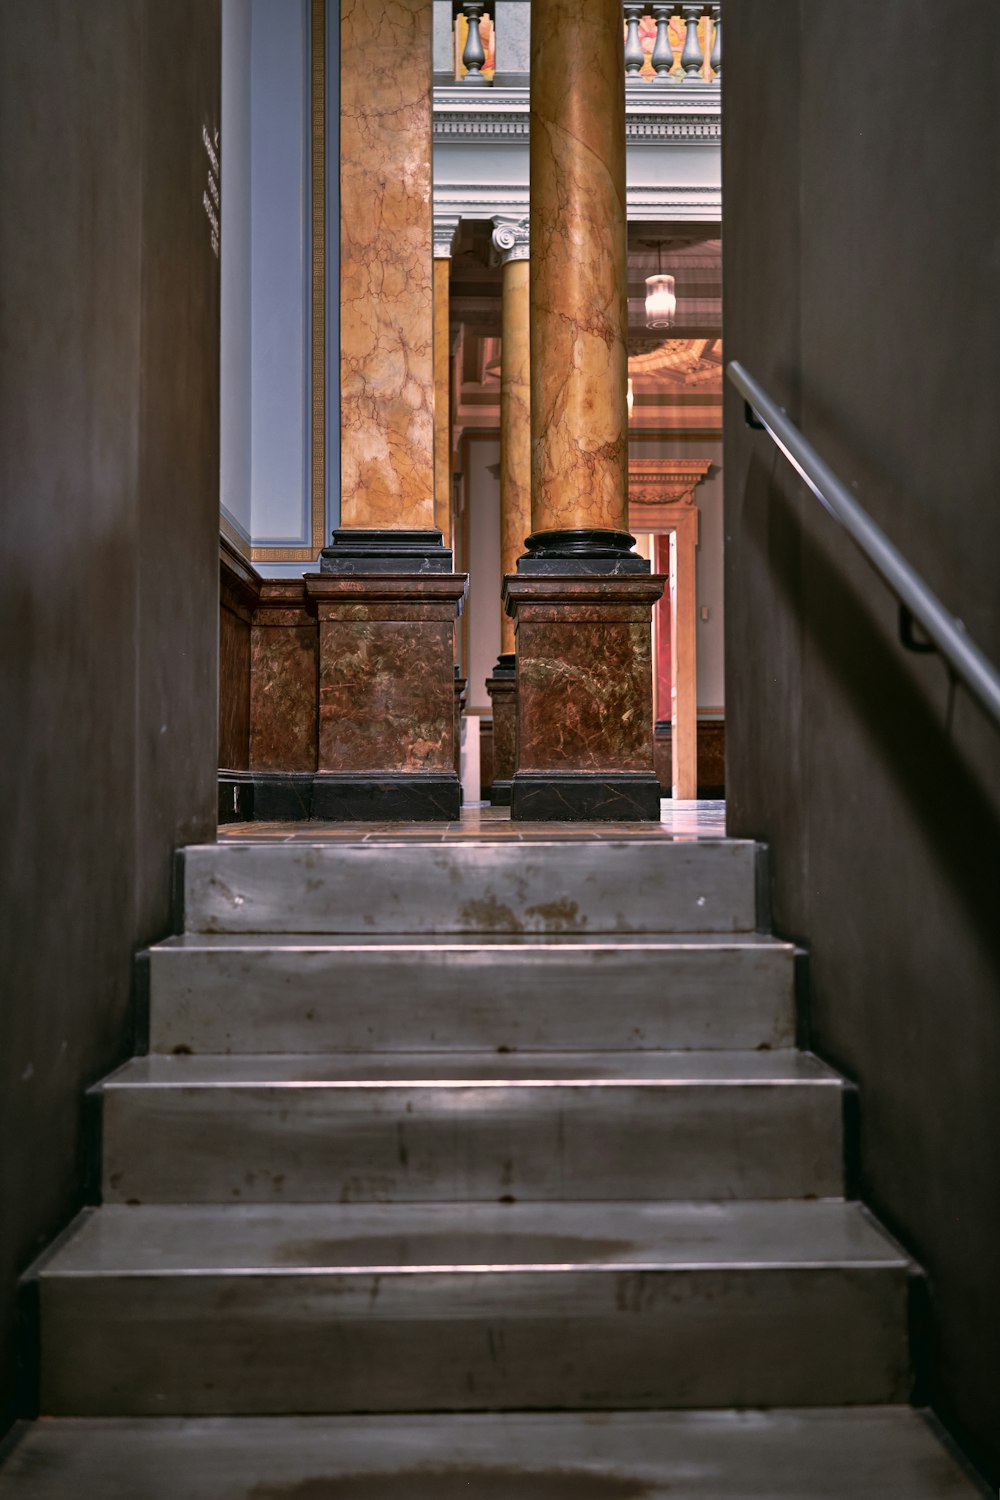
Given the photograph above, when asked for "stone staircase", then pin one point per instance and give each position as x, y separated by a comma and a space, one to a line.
478, 1167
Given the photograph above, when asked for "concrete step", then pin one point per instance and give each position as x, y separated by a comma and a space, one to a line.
882, 1453
296, 1309
417, 886
473, 1126
254, 993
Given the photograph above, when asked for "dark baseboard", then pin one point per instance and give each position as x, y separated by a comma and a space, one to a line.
298, 796
236, 797
406, 799
585, 797
500, 793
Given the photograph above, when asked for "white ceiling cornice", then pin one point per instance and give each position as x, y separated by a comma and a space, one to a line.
654, 115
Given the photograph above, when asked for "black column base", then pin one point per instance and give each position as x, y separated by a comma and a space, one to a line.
500, 793
554, 554
354, 550
585, 796
301, 796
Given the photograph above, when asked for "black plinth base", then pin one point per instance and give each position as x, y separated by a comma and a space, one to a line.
298, 796
506, 665
500, 793
561, 553
584, 797
355, 551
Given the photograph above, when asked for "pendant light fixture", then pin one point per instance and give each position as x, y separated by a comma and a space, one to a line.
661, 296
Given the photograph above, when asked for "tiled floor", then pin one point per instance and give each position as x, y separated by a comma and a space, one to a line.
681, 821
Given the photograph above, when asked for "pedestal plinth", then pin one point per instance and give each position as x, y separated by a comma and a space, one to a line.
584, 695
502, 688
386, 695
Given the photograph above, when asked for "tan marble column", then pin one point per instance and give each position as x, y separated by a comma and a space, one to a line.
579, 310
581, 598
386, 596
511, 246
442, 395
684, 656
386, 282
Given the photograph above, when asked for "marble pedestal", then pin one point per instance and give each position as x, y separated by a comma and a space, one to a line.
584, 696
386, 734
502, 688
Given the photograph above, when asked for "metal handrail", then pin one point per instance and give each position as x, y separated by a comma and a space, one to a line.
948, 634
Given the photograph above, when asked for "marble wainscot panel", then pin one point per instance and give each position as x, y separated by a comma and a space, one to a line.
711, 757
502, 688
387, 695
584, 696
283, 701
239, 591
461, 684
386, 276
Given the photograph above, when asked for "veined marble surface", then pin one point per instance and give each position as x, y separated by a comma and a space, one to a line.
515, 428
386, 275
579, 318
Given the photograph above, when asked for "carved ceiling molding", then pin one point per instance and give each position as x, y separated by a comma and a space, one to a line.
664, 481
673, 202
652, 117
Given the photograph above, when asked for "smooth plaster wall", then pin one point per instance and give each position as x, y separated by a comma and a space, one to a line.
237, 304
279, 50
109, 469
862, 273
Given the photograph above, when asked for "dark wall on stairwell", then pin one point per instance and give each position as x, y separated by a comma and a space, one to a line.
108, 553
862, 280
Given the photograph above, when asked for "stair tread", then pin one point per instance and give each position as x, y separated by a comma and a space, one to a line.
362, 1238
869, 1453
482, 1069
463, 942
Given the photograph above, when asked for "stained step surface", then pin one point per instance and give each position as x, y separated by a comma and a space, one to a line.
600, 886
860, 1453
473, 1126
392, 1308
303, 993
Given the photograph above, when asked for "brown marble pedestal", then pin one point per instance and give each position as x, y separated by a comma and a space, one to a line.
386, 695
584, 696
502, 688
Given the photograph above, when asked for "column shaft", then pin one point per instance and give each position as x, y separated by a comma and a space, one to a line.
442, 399
386, 289
579, 311
515, 429
684, 661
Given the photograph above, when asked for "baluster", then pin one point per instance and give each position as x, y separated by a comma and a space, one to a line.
663, 53
473, 55
633, 46
692, 60
716, 58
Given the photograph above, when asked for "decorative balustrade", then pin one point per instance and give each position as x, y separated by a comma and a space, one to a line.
673, 44
665, 43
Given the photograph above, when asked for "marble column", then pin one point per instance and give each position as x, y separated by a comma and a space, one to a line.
581, 598
511, 246
386, 279
386, 596
443, 235
579, 309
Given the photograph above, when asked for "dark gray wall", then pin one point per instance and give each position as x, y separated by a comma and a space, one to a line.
108, 553
862, 277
